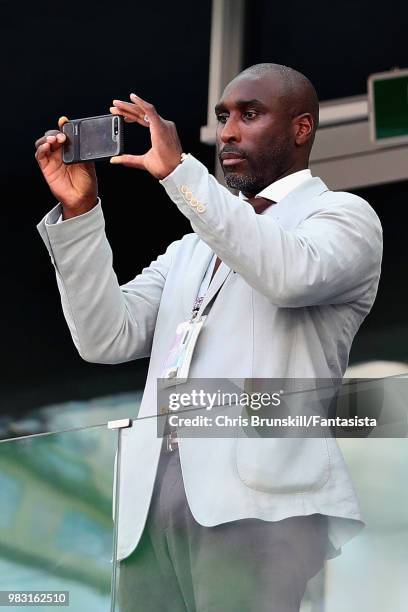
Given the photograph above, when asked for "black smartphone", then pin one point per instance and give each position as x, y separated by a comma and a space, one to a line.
92, 138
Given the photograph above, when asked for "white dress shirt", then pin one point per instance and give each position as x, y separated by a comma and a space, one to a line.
279, 189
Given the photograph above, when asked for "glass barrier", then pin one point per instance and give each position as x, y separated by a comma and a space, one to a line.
56, 528
57, 531
369, 574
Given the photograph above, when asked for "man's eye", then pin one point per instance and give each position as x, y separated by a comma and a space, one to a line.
222, 118
250, 114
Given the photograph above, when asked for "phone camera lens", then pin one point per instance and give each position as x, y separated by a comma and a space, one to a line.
116, 126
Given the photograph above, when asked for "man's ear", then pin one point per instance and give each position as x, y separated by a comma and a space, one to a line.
303, 127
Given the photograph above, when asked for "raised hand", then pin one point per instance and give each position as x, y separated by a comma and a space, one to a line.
74, 185
164, 155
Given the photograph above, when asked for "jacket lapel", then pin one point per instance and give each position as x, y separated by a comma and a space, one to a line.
196, 268
298, 204
219, 277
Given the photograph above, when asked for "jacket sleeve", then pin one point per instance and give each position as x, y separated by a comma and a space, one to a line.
333, 256
108, 323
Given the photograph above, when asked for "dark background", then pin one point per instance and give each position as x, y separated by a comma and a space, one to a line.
73, 60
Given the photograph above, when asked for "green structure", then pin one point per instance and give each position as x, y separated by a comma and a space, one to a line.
388, 97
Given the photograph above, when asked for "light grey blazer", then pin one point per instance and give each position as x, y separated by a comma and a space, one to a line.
299, 280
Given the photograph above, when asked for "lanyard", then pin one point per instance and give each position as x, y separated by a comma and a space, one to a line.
205, 283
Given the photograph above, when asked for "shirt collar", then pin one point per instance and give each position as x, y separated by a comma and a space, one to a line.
281, 188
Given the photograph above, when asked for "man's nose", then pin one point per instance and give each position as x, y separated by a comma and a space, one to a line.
230, 131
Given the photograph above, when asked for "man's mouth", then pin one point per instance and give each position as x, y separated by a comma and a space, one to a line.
231, 158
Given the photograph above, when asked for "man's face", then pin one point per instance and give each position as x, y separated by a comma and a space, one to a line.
255, 136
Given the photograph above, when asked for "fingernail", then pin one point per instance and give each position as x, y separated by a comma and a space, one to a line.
133, 94
114, 160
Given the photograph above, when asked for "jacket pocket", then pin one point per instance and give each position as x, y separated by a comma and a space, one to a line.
284, 465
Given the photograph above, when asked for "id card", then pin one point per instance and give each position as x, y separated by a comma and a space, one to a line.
177, 364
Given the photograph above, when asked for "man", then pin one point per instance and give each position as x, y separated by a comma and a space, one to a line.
286, 273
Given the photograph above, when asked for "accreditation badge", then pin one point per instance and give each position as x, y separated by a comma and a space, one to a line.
177, 364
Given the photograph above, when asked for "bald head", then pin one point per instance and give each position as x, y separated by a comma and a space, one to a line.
297, 94
266, 122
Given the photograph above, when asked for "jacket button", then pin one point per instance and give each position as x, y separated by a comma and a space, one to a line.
194, 202
201, 208
184, 189
188, 196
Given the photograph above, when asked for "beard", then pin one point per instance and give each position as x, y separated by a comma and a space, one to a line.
262, 169
247, 183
